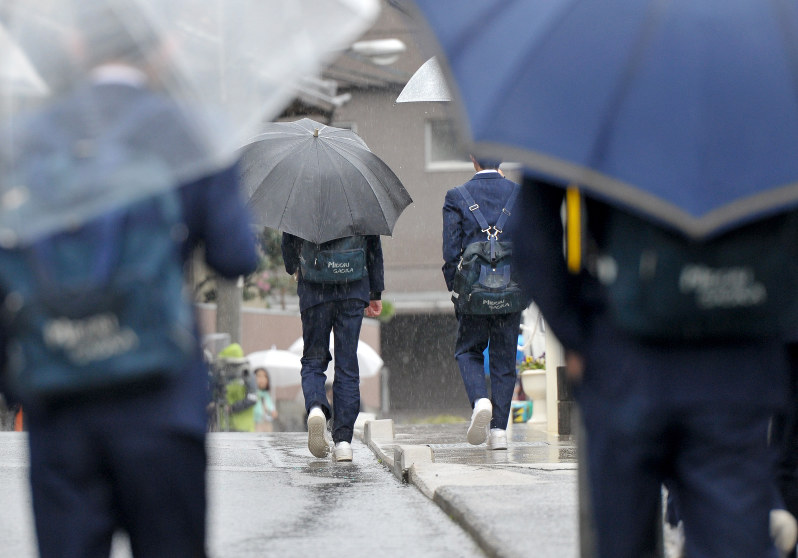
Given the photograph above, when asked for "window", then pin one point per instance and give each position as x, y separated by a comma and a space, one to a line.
444, 151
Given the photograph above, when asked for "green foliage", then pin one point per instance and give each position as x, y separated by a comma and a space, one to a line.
531, 363
269, 283
388, 311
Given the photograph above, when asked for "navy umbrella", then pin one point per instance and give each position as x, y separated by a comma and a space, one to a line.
683, 110
320, 183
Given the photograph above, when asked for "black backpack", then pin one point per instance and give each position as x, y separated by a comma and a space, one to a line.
484, 282
342, 260
662, 285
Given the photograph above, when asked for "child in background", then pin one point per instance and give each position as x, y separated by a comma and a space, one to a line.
265, 410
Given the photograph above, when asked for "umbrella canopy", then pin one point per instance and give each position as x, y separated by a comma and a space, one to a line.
17, 74
368, 360
427, 84
284, 367
684, 111
320, 183
227, 65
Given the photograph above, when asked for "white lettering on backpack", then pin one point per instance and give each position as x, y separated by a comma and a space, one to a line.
89, 339
340, 267
726, 287
495, 304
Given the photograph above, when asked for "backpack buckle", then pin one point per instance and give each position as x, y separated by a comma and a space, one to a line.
473, 207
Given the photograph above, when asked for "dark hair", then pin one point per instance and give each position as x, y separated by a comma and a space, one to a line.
488, 163
268, 376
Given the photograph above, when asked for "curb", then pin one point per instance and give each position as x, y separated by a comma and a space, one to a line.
415, 465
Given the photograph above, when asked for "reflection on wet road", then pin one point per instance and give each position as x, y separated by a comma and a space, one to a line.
270, 497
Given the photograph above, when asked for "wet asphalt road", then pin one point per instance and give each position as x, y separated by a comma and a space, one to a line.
269, 497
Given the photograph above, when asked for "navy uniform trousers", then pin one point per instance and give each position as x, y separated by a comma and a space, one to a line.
474, 332
90, 477
343, 318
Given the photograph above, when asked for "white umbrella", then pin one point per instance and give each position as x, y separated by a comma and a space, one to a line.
368, 360
283, 366
427, 84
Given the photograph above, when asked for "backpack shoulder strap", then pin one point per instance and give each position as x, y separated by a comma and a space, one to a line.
506, 211
473, 207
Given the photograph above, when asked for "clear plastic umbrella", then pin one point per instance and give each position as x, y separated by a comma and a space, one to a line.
17, 74
225, 66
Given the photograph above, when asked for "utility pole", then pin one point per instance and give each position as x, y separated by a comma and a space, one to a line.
228, 307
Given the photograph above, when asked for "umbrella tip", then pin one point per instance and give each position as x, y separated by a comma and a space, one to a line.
315, 132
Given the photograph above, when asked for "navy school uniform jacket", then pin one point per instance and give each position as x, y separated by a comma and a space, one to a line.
490, 191
310, 294
617, 365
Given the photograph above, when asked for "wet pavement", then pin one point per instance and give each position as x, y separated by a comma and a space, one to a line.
519, 501
268, 497
412, 490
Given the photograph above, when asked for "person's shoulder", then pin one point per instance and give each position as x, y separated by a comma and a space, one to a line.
452, 195
469, 185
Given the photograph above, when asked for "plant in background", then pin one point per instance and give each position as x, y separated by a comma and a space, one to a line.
388, 311
270, 282
532, 363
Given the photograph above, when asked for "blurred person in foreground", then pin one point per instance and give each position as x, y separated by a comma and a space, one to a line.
128, 458
692, 415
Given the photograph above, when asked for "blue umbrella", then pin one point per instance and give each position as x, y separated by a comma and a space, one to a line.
684, 110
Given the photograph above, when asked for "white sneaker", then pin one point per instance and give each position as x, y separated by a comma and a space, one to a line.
783, 531
497, 440
317, 428
480, 420
343, 451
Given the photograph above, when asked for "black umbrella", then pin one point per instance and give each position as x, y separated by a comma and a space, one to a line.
320, 183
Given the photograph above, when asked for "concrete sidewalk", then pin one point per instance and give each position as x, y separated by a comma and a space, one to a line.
516, 502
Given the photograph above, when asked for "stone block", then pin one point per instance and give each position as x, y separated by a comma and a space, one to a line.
378, 431
405, 456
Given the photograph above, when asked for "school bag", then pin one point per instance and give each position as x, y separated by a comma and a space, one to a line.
342, 260
663, 286
102, 306
484, 282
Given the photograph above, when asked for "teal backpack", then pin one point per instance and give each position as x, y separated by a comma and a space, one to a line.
661, 285
100, 306
342, 260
